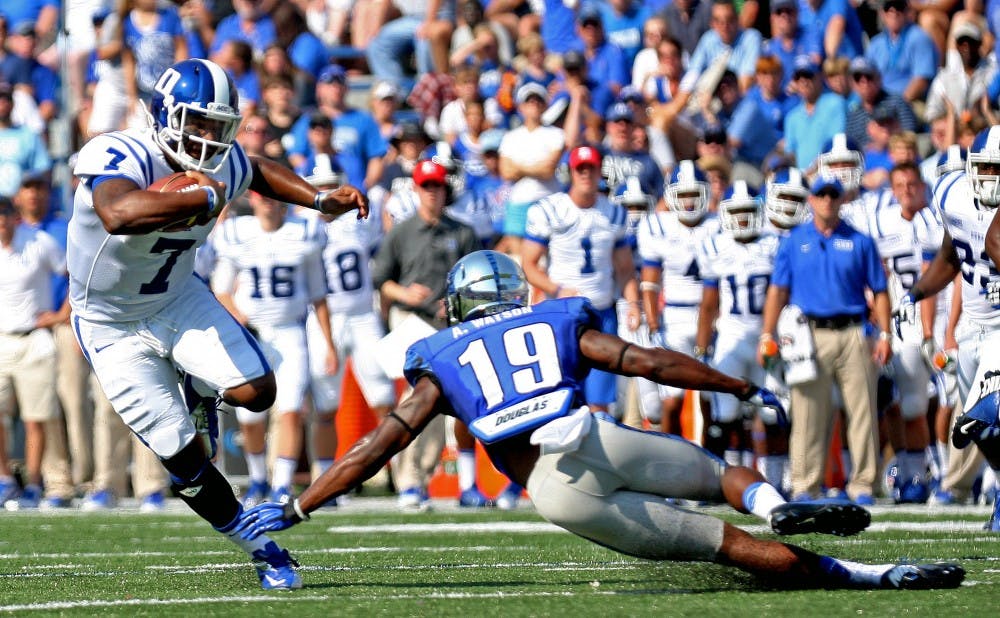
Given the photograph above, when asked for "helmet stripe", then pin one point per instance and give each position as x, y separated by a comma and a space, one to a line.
219, 80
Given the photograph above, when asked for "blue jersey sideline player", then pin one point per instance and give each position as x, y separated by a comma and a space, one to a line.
514, 375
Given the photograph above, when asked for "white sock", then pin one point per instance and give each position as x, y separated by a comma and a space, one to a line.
466, 469
942, 458
773, 468
257, 466
733, 457
854, 572
761, 498
284, 469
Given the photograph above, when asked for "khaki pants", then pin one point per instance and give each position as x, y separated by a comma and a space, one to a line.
414, 465
842, 357
68, 461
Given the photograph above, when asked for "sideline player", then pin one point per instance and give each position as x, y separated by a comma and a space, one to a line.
141, 314
514, 373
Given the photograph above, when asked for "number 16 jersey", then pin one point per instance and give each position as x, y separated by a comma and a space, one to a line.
121, 278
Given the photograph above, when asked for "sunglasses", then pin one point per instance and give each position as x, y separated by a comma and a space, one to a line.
863, 77
830, 193
431, 185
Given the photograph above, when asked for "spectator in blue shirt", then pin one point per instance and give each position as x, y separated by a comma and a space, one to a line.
605, 60
44, 14
788, 39
824, 267
726, 36
621, 159
751, 134
44, 82
249, 23
903, 53
623, 22
557, 28
870, 96
769, 95
835, 23
815, 120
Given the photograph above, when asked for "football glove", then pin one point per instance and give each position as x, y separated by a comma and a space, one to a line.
906, 313
993, 293
269, 517
763, 398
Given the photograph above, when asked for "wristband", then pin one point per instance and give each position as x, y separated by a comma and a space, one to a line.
317, 199
213, 198
765, 337
298, 510
649, 286
884, 335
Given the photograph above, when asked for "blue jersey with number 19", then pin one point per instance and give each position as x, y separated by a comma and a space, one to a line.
118, 278
512, 372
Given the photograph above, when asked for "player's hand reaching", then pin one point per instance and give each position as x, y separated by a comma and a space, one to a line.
761, 397
268, 517
340, 200
905, 313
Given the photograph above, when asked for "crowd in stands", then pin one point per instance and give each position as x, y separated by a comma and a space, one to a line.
500, 92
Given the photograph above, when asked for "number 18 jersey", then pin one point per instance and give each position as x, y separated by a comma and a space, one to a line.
119, 278
512, 372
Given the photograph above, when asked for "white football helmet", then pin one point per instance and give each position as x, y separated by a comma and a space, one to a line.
786, 194
687, 193
842, 159
952, 160
983, 167
740, 212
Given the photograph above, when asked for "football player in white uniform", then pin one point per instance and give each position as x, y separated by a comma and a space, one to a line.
138, 310
353, 323
668, 245
736, 267
786, 204
842, 159
967, 202
270, 271
907, 235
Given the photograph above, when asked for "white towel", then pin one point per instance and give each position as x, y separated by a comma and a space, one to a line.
798, 350
564, 434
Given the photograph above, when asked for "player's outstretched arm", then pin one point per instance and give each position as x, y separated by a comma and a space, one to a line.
278, 182
361, 462
942, 269
124, 208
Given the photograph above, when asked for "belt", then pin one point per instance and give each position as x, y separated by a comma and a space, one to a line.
681, 305
21, 333
836, 322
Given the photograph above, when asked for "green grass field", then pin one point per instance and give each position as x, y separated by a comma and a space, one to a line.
368, 559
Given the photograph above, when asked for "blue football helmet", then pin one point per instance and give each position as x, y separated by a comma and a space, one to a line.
483, 283
985, 151
687, 193
842, 159
443, 154
195, 114
785, 194
740, 212
951, 160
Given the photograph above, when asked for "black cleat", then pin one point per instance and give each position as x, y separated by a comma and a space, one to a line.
924, 576
840, 518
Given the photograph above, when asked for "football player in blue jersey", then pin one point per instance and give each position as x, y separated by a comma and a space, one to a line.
514, 374
140, 313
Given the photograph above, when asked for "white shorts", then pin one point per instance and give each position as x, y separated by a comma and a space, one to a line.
680, 326
354, 335
137, 363
28, 375
912, 377
285, 350
735, 356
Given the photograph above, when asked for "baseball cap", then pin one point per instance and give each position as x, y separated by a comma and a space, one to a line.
804, 66
863, 66
631, 94
428, 171
589, 14
777, 5
714, 134
573, 60
899, 5
826, 183
619, 111
24, 28
32, 177
385, 90
410, 131
319, 119
584, 155
532, 89
333, 73
968, 30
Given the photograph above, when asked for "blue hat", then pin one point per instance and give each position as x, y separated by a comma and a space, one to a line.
863, 66
826, 182
332, 73
804, 65
619, 111
589, 13
631, 94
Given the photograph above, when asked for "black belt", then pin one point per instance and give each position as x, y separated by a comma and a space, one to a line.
21, 333
836, 322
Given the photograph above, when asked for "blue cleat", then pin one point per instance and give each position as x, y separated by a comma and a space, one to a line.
276, 569
942, 497
923, 576
993, 525
153, 503
30, 498
281, 495
102, 500
413, 499
474, 499
840, 518
865, 500
255, 494
508, 498
55, 503
8, 491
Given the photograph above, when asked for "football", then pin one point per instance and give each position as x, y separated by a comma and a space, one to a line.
175, 183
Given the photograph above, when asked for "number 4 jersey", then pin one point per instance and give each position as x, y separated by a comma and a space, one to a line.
512, 372
118, 278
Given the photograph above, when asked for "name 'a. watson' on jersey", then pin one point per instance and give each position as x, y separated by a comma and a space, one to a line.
130, 277
512, 372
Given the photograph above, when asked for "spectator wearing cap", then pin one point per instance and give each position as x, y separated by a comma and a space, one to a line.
385, 100
394, 194
29, 258
882, 126
22, 150
965, 83
250, 23
604, 58
740, 47
356, 136
646, 135
816, 119
43, 82
423, 28
623, 22
687, 21
591, 95
583, 237
789, 39
410, 270
529, 155
623, 158
904, 54
867, 82
769, 94
835, 24
323, 158
825, 268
